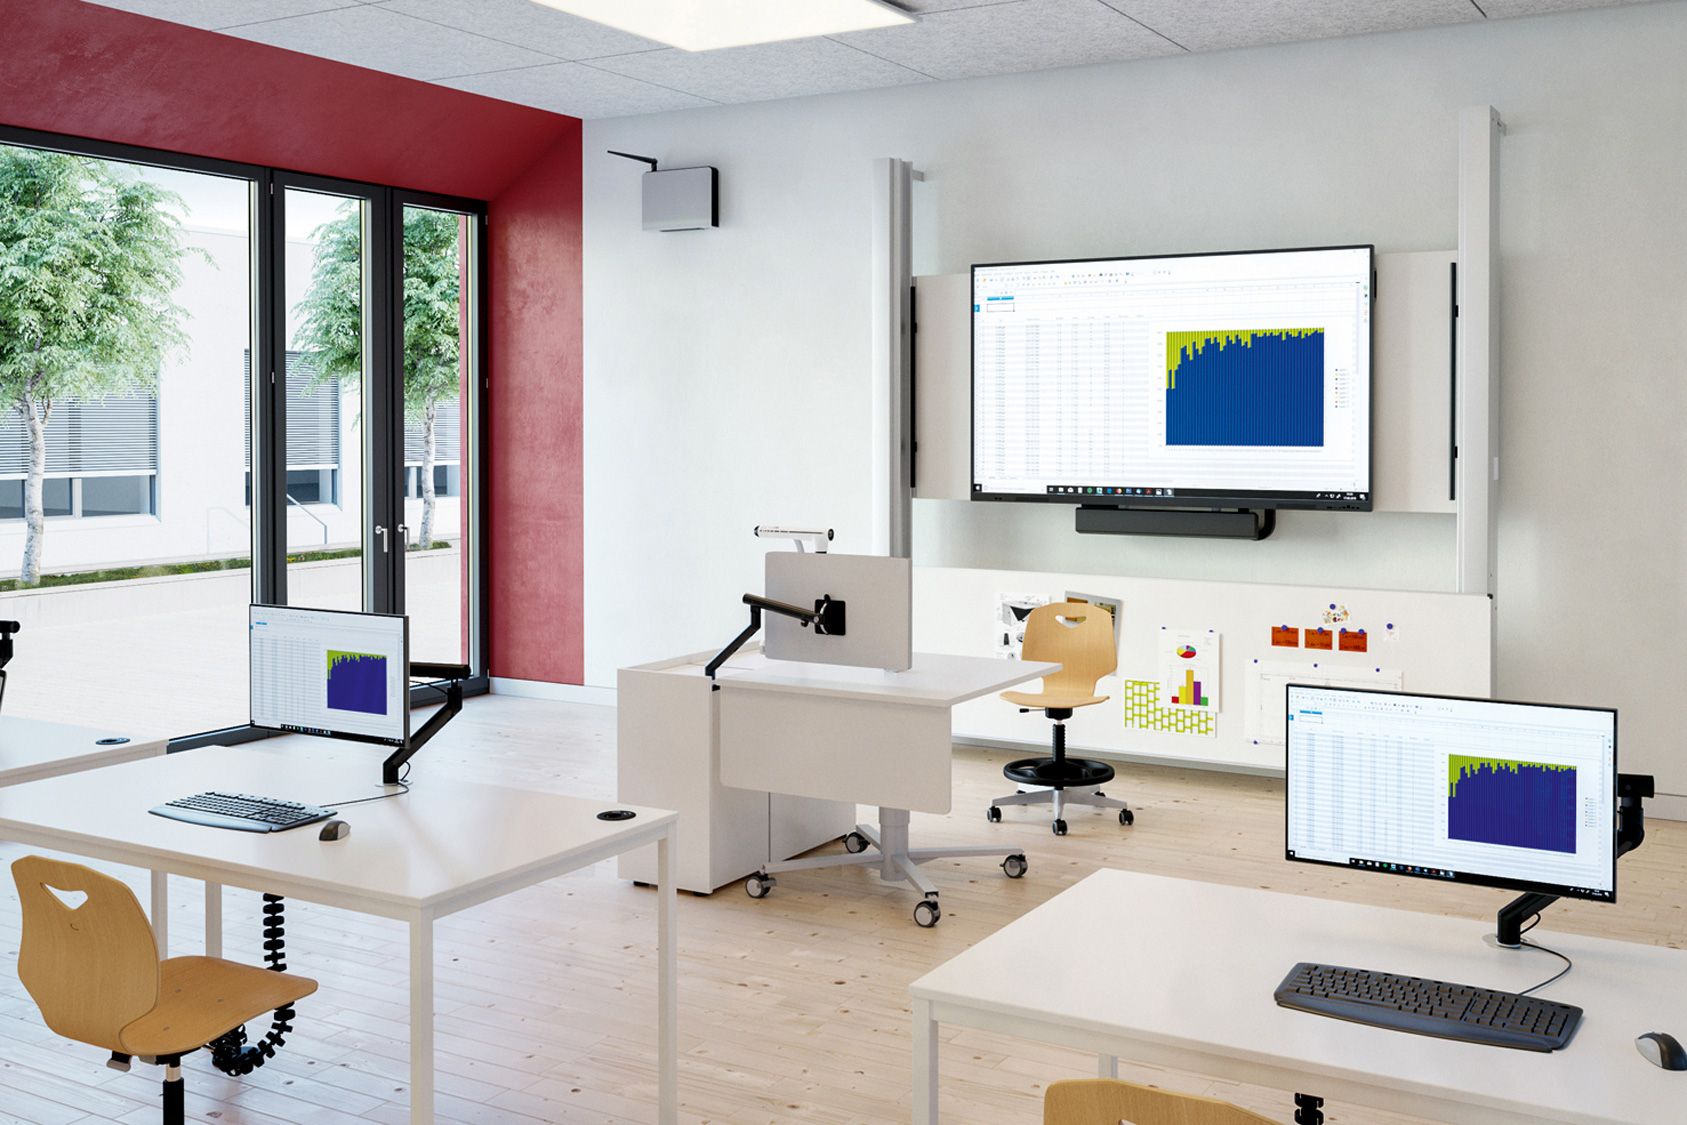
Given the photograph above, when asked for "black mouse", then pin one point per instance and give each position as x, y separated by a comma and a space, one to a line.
1660, 1048
334, 830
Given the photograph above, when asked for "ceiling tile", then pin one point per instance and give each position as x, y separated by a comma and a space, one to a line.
770, 70
1005, 38
1505, 9
370, 36
526, 24
575, 89
1215, 25
224, 13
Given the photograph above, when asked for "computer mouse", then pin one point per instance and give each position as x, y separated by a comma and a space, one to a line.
1660, 1048
334, 830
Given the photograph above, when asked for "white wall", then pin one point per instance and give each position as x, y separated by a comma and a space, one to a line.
726, 371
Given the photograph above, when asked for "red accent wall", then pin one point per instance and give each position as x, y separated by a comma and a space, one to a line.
90, 71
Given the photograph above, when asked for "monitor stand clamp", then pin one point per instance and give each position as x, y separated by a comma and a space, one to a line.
1632, 789
455, 674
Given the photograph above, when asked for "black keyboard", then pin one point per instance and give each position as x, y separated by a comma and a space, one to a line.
1429, 1007
242, 812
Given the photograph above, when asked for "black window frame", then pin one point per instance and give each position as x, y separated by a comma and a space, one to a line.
384, 469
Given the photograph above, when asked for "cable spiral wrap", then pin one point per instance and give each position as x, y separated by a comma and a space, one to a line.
231, 1053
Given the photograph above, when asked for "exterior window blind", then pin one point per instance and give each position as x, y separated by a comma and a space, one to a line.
118, 434
447, 436
313, 416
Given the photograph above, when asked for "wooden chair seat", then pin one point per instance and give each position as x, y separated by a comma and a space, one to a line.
200, 998
1053, 700
1109, 1101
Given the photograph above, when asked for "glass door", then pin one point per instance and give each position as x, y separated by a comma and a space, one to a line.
323, 373
439, 339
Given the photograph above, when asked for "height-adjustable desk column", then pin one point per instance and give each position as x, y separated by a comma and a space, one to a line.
862, 735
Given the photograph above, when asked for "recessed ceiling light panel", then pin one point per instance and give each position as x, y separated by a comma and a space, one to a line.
708, 25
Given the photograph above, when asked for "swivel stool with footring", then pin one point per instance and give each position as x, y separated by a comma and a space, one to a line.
1080, 636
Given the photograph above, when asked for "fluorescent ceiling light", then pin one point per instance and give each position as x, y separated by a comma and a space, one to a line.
707, 25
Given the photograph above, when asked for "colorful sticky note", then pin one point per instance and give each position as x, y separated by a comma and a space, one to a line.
1285, 636
1320, 638
1354, 640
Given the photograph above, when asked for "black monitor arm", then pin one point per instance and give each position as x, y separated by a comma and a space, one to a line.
455, 674
827, 617
1632, 789
7, 628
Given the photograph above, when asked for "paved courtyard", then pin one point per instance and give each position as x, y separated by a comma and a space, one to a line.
168, 655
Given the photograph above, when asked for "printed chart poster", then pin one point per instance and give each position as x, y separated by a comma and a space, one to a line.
1189, 668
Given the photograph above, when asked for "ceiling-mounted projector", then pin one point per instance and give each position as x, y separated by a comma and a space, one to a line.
678, 198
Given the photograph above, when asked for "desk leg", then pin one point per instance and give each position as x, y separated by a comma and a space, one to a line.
667, 980
421, 1019
161, 911
213, 919
925, 1064
1107, 1066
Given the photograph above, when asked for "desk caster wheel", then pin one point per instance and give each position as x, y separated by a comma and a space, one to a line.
1014, 866
757, 886
993, 815
927, 913
855, 843
1126, 817
1060, 828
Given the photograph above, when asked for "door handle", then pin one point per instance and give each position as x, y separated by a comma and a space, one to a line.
382, 532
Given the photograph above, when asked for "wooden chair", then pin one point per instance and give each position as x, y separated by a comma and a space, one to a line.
94, 971
1080, 636
1109, 1101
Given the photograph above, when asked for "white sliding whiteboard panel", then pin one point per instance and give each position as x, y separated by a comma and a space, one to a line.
1418, 642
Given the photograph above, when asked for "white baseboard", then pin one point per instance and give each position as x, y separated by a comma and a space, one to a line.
1667, 806
561, 693
1212, 765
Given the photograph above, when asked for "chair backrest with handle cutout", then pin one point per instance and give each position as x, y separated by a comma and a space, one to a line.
92, 968
1078, 635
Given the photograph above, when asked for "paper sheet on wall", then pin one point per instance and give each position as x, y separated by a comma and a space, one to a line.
1189, 668
1143, 711
1267, 708
1008, 624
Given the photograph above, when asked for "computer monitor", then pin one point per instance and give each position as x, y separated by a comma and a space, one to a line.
1518, 795
877, 592
331, 673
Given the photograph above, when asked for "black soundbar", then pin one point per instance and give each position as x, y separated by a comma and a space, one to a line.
1246, 524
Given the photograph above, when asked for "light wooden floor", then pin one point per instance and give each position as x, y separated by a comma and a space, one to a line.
792, 1009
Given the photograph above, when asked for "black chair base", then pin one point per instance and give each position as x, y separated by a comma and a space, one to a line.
1058, 773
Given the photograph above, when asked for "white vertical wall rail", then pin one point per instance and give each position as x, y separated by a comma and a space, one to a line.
893, 354
1477, 355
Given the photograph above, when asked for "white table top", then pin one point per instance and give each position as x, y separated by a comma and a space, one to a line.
935, 680
1192, 966
444, 845
35, 748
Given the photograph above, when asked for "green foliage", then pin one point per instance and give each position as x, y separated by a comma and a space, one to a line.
165, 570
332, 330
89, 262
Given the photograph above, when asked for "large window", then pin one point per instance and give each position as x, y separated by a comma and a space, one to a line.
206, 399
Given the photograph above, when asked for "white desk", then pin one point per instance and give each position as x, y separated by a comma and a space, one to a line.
859, 735
445, 846
1192, 967
34, 748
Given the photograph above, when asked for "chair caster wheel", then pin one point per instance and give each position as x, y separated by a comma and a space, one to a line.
1126, 817
1014, 866
855, 843
757, 886
1099, 793
993, 815
1060, 828
927, 913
